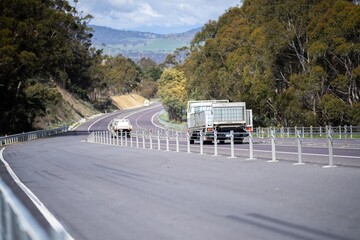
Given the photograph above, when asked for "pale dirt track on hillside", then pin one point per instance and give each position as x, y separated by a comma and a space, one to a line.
128, 101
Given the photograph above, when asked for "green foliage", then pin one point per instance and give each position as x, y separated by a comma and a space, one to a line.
171, 93
43, 40
293, 62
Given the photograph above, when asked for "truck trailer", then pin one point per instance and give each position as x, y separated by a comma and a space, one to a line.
206, 117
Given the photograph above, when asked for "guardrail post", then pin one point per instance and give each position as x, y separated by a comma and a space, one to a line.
345, 135
232, 144
273, 150
311, 133
339, 132
303, 132
201, 143
126, 138
177, 141
251, 148
143, 138
330, 144
131, 139
351, 132
150, 139
167, 141
158, 140
121, 138
299, 141
188, 141
288, 132
137, 138
215, 143
117, 138
320, 131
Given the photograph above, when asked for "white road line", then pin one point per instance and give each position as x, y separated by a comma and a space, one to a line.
108, 115
153, 123
139, 111
45, 212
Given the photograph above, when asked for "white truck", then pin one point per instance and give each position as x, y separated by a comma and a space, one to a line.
121, 125
206, 116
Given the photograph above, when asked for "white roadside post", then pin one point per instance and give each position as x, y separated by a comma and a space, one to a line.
121, 138
143, 138
331, 155
126, 138
215, 143
320, 131
167, 141
150, 139
137, 138
177, 141
188, 141
158, 140
131, 139
351, 132
273, 150
299, 141
339, 132
251, 147
201, 143
232, 144
345, 136
117, 138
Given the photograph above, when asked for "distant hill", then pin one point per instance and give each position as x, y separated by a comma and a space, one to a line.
136, 45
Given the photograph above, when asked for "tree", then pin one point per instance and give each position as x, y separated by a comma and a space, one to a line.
172, 93
45, 42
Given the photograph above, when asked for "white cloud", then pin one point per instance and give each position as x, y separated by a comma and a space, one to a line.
160, 15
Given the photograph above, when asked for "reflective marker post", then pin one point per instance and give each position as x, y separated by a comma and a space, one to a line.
251, 147
273, 150
232, 144
177, 141
158, 140
330, 144
215, 143
201, 143
167, 141
188, 141
299, 140
151, 143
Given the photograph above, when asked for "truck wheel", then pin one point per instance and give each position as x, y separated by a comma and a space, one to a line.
192, 141
221, 141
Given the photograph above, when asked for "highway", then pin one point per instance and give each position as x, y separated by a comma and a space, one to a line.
101, 191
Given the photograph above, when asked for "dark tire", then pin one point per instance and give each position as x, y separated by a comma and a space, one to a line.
192, 141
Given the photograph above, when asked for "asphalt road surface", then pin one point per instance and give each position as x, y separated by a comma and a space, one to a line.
111, 192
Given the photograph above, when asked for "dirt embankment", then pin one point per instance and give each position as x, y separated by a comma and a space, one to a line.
67, 111
128, 101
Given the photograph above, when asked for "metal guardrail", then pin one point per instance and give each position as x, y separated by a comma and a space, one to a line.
340, 132
23, 137
166, 140
16, 222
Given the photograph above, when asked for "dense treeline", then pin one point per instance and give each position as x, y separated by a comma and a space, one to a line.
294, 62
43, 44
46, 45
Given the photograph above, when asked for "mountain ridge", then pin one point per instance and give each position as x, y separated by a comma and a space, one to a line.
136, 44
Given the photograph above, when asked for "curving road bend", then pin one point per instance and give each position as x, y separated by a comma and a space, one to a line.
111, 192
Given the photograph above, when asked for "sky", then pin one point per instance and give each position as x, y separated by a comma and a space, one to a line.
157, 16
